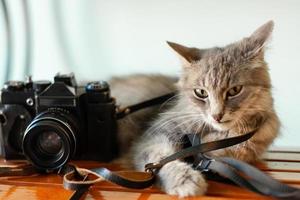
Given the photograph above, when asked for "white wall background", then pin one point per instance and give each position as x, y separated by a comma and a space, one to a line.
100, 38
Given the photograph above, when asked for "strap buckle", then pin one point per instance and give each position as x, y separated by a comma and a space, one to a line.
203, 165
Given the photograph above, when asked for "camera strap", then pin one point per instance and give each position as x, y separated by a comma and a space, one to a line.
242, 174
248, 177
122, 112
76, 178
237, 171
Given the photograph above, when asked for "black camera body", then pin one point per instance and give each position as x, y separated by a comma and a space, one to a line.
51, 123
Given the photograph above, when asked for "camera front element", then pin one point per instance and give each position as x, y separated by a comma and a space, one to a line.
50, 140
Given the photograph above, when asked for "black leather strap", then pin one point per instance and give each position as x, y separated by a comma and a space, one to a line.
151, 102
140, 180
249, 177
242, 174
239, 172
129, 182
201, 148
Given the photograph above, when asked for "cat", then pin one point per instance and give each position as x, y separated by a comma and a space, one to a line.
222, 92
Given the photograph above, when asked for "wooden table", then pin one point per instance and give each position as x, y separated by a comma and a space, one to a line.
284, 165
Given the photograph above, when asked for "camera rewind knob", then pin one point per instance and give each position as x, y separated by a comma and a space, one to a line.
98, 92
14, 85
97, 86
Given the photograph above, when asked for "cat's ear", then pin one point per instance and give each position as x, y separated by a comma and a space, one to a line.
258, 39
188, 54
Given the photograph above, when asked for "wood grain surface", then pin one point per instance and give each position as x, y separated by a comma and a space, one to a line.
283, 165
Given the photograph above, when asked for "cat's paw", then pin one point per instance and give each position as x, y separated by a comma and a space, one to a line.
179, 178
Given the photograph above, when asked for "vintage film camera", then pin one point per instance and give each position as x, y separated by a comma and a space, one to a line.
50, 123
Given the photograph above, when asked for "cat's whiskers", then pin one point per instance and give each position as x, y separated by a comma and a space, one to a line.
196, 132
190, 128
191, 118
168, 121
185, 126
190, 122
168, 100
181, 113
202, 131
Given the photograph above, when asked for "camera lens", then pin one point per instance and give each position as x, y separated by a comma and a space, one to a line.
50, 140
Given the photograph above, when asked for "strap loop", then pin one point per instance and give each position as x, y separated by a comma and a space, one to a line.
71, 182
129, 179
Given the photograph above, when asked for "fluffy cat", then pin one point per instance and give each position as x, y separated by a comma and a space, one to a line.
222, 92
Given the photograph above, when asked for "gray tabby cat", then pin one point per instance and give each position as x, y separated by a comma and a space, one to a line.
222, 92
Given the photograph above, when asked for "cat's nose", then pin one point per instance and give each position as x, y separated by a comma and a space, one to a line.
218, 117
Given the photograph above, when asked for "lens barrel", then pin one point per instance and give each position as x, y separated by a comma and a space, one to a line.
50, 139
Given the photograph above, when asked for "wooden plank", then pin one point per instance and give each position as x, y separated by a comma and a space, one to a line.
284, 149
54, 181
49, 186
282, 156
295, 185
35, 180
279, 166
287, 177
96, 194
231, 191
11, 192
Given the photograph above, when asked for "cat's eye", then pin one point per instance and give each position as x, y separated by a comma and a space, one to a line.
200, 93
234, 91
